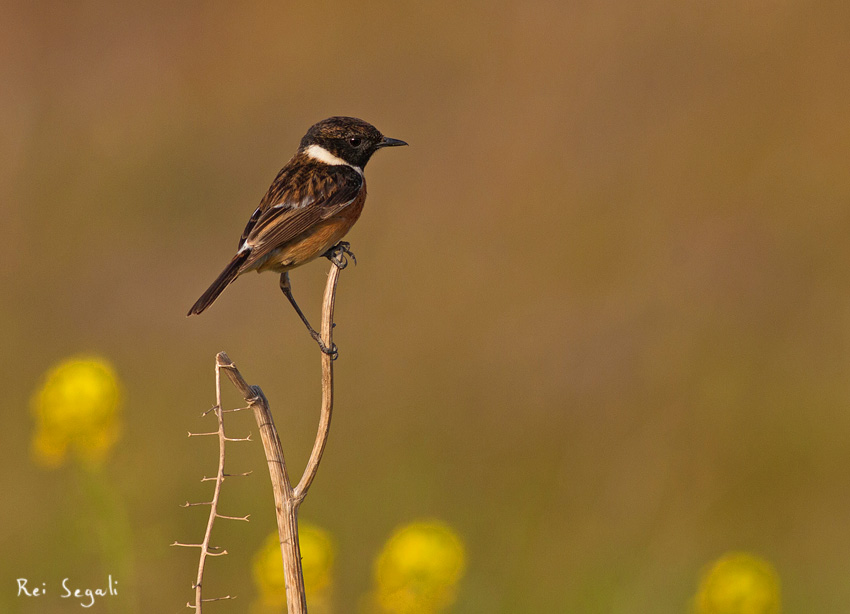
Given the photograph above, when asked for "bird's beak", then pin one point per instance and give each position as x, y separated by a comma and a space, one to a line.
388, 142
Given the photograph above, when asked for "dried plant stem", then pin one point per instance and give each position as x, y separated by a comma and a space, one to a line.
327, 388
288, 499
219, 478
206, 549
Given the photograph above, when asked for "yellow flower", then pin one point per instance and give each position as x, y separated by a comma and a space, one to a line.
317, 558
419, 568
76, 408
739, 583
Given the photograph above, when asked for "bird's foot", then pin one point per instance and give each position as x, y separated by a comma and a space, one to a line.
332, 351
337, 254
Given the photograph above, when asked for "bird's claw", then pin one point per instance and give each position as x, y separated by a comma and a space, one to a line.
337, 254
332, 351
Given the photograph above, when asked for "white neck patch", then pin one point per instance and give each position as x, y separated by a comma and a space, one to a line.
317, 152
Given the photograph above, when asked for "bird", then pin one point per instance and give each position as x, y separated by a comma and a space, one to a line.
312, 203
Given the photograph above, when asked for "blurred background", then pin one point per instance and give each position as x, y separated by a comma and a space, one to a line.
598, 328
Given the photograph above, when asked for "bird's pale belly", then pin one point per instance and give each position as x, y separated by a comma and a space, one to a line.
308, 246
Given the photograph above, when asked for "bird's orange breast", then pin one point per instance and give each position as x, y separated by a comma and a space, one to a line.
316, 241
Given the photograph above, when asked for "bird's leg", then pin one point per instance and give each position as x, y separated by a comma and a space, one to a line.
286, 288
337, 254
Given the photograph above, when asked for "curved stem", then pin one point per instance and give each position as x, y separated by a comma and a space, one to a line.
300, 491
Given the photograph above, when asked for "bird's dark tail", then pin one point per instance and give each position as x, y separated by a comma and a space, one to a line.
230, 272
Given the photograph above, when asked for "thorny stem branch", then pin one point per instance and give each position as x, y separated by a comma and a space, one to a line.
206, 549
214, 507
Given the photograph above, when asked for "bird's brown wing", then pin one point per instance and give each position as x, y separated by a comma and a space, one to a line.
258, 212
296, 202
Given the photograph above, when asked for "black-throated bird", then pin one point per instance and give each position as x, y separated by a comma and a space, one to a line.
312, 203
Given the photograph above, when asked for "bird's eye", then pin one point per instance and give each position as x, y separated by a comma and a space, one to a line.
355, 141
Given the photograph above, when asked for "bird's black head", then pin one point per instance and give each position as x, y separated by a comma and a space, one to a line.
351, 140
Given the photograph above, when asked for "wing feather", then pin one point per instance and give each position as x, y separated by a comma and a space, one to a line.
295, 204
250, 226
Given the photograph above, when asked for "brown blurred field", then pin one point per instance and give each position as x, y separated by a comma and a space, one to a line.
599, 324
